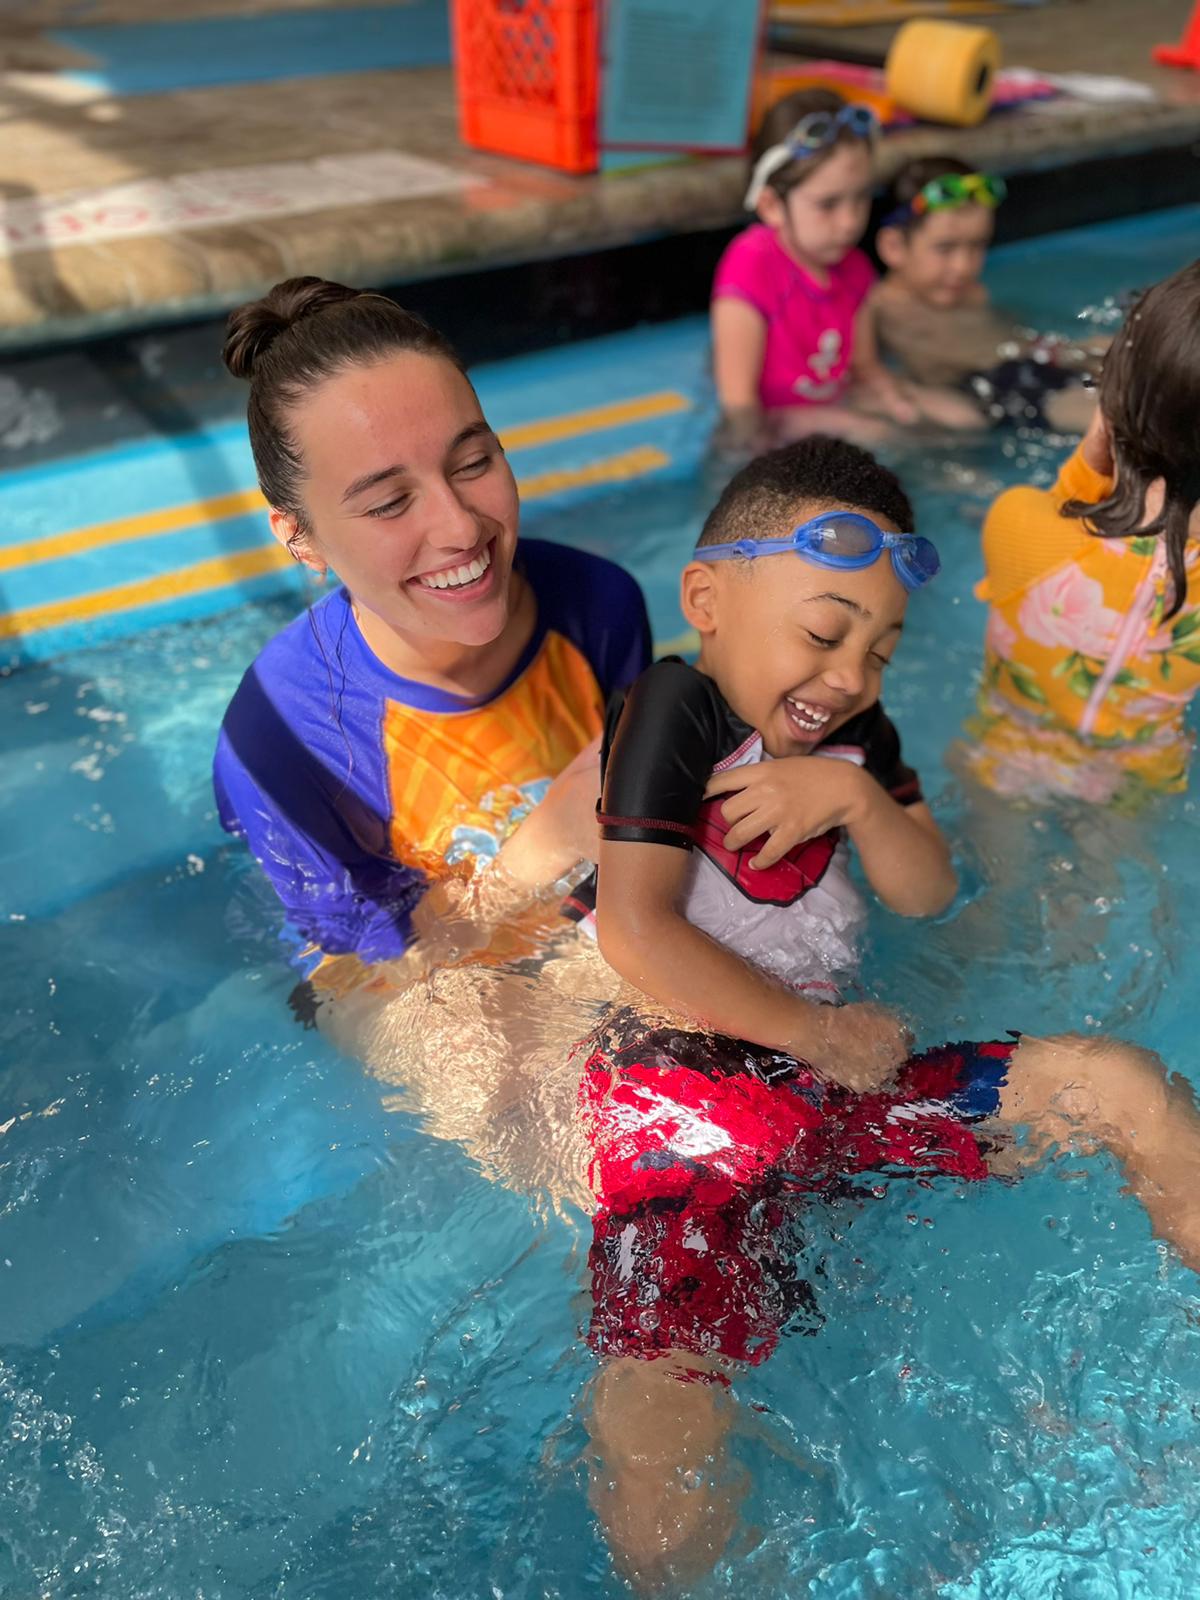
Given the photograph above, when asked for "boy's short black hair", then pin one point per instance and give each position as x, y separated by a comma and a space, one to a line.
908, 181
764, 499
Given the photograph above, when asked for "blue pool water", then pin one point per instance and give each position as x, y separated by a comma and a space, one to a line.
262, 1338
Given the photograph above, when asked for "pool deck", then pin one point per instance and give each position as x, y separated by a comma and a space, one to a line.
123, 206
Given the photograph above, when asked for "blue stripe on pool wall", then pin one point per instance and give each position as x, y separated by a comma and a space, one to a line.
164, 472
195, 52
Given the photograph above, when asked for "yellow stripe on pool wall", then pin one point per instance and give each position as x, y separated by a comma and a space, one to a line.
147, 525
175, 519
634, 463
219, 571
203, 575
524, 435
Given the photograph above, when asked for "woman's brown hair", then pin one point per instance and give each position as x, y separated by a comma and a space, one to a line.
779, 122
1150, 398
300, 333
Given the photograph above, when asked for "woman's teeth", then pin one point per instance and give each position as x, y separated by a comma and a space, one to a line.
810, 718
456, 577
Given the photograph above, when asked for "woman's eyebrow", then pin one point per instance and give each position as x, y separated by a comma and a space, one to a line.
369, 479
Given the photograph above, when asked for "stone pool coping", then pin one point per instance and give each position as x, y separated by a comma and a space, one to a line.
70, 146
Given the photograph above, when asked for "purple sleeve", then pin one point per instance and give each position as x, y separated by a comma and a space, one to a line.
743, 272
319, 845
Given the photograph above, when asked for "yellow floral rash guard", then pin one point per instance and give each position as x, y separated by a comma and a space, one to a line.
1084, 685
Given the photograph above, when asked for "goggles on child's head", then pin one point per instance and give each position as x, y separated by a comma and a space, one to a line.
817, 131
945, 194
844, 540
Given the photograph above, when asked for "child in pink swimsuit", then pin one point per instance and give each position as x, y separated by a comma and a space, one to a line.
789, 289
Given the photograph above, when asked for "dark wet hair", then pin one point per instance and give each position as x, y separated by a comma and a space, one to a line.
779, 122
764, 499
908, 181
300, 333
1150, 397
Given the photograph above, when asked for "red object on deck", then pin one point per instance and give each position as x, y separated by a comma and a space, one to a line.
528, 75
1187, 52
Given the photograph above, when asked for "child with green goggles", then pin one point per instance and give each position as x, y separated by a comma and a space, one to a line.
930, 321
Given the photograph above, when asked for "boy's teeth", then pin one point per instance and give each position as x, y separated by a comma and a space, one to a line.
810, 718
457, 576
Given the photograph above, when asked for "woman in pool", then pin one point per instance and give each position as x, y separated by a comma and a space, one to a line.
442, 706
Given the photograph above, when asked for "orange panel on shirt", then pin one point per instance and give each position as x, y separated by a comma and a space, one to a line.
456, 771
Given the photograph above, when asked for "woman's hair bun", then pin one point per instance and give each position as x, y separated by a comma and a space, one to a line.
253, 328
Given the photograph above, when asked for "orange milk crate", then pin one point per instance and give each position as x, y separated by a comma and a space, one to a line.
528, 75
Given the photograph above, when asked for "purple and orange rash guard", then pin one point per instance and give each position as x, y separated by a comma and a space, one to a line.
355, 788
799, 919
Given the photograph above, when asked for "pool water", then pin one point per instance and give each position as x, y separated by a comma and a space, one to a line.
262, 1338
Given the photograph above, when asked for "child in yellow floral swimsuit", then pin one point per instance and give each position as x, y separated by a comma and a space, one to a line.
1093, 635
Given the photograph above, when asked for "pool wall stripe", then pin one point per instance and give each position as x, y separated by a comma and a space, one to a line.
170, 519
171, 528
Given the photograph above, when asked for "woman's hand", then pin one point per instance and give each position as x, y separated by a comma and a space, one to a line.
561, 829
789, 800
858, 1046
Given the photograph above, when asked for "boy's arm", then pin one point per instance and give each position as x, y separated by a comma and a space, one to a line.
645, 938
903, 853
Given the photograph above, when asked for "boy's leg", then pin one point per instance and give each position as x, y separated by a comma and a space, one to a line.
662, 1483
1084, 1092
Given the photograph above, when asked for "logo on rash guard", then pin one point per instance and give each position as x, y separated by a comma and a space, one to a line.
781, 885
509, 807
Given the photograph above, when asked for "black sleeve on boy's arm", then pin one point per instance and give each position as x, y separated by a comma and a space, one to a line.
873, 732
666, 743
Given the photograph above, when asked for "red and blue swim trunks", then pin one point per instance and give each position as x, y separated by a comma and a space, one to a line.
701, 1146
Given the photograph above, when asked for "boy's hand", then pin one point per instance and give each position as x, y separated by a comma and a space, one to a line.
891, 396
897, 402
790, 800
861, 1046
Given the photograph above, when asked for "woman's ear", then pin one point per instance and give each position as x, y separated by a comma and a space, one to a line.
698, 595
892, 247
287, 531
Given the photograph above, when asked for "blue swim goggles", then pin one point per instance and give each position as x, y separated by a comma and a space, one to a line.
844, 540
815, 132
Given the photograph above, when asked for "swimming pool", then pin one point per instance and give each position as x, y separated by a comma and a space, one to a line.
262, 1337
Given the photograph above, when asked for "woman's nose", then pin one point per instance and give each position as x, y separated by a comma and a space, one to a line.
453, 525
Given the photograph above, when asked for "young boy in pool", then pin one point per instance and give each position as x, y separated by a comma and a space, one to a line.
732, 793
931, 312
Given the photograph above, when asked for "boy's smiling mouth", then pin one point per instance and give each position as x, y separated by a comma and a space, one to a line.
807, 719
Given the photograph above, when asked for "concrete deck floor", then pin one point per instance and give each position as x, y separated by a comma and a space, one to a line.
69, 148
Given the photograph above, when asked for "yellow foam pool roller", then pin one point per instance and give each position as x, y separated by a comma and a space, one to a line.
943, 71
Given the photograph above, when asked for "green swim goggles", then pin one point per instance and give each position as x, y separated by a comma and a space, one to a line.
843, 540
948, 193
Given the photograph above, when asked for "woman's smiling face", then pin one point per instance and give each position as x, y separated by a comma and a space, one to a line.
409, 498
